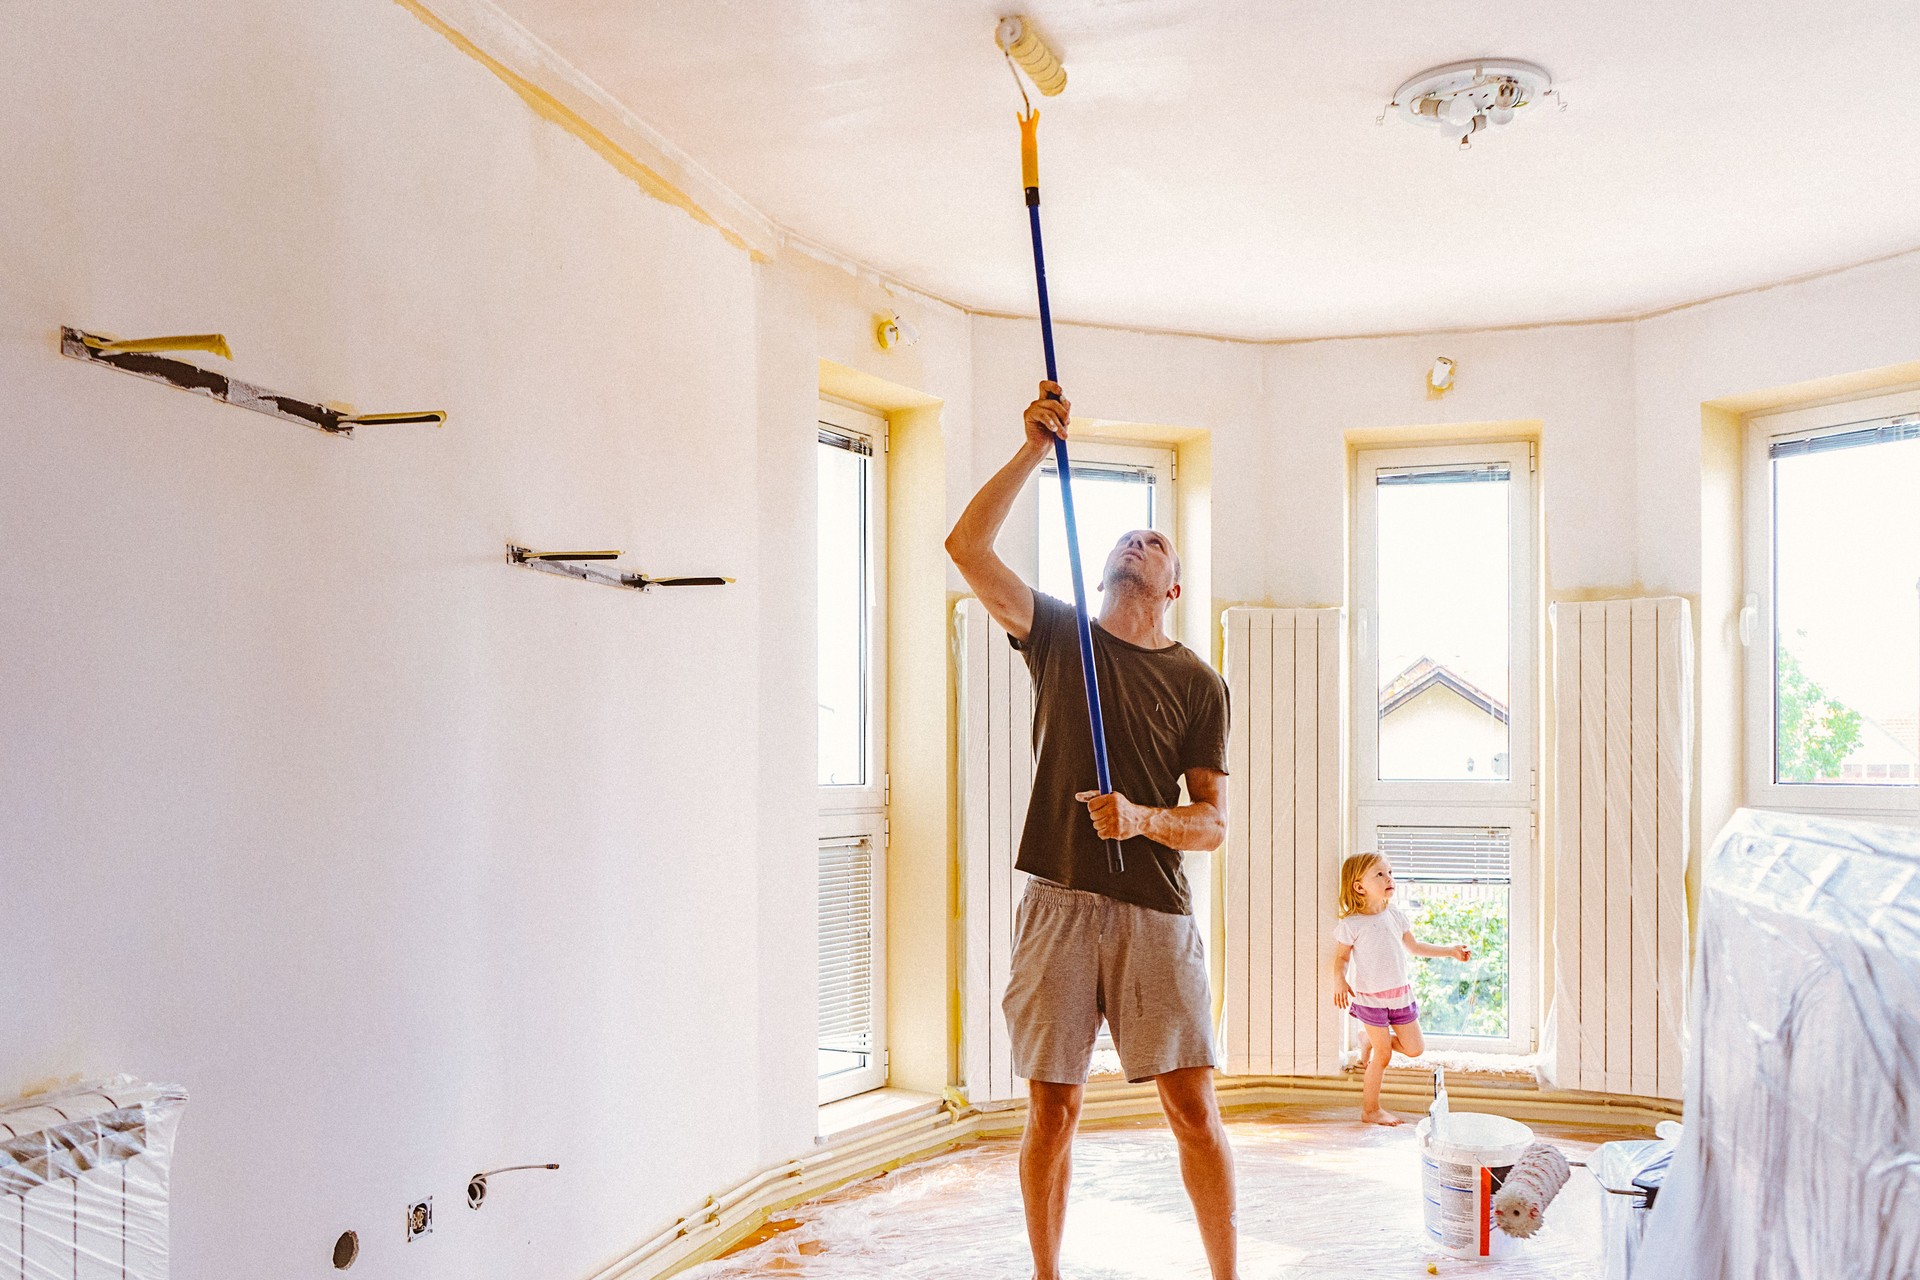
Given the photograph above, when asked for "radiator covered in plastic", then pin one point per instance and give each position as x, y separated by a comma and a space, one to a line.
83, 1181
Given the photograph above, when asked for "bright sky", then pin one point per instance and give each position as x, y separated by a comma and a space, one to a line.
843, 478
1443, 579
1848, 561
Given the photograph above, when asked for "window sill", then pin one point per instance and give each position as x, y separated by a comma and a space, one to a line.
1468, 1067
871, 1109
1906, 816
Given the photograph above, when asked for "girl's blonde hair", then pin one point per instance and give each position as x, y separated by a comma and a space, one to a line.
1352, 872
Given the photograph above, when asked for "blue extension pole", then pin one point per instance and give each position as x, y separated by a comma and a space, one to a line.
1116, 861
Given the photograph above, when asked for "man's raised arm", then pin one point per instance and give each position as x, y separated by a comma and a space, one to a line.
1009, 601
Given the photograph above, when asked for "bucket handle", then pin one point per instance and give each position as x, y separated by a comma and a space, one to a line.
1645, 1199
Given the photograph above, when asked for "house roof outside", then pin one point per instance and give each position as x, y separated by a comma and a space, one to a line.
1423, 674
1904, 730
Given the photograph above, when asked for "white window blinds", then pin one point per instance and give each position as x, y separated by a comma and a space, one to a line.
1450, 855
846, 946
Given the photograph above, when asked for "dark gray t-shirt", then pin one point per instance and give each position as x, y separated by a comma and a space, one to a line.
1165, 712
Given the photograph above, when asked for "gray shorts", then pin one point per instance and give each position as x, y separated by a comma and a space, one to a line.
1080, 956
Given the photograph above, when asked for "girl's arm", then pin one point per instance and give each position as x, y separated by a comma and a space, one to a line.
1431, 951
1342, 993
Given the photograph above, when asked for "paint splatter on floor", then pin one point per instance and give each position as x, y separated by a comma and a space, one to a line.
1322, 1197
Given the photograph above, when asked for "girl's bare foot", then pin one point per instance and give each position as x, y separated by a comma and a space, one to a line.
1377, 1116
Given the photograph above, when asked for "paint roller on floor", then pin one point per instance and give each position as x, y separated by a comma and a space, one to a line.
1530, 1187
1026, 51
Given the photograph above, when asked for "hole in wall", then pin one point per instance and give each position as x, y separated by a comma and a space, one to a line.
346, 1250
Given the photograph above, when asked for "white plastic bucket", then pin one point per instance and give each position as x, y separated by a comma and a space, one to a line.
1459, 1172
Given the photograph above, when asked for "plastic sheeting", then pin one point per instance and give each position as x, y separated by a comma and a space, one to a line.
83, 1181
1622, 754
1801, 1153
1321, 1196
1632, 1173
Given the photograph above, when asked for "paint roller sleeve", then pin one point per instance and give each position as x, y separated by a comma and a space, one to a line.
1025, 47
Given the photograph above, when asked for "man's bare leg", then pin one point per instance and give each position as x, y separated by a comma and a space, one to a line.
1206, 1162
1046, 1168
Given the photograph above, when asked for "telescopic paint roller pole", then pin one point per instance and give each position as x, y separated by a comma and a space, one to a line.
1030, 173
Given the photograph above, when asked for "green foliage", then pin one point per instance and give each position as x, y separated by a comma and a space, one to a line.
1814, 733
1461, 999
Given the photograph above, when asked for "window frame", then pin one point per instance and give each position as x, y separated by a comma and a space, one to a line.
836, 827
1523, 912
848, 811
1520, 789
1513, 804
1756, 630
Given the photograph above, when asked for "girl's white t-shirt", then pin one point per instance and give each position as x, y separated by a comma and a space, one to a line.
1377, 970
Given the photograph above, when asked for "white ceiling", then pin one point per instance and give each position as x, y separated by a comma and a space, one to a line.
1215, 167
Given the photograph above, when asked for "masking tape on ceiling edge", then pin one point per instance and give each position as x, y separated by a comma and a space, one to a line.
550, 108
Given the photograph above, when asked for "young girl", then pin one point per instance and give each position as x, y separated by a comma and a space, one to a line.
1372, 932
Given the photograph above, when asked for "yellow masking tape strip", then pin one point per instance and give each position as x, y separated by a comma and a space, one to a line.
551, 108
210, 342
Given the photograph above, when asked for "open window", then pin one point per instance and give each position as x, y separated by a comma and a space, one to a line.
1445, 634
851, 522
1832, 616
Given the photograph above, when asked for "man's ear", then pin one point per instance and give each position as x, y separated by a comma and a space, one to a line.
1173, 592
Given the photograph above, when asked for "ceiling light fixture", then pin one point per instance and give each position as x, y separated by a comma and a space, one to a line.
1463, 98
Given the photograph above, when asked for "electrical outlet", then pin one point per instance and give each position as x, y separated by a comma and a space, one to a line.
419, 1219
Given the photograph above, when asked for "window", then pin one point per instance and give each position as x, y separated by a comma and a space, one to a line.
1445, 634
1116, 489
851, 520
1832, 618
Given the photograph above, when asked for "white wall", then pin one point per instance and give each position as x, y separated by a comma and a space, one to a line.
788, 871
1836, 325
406, 863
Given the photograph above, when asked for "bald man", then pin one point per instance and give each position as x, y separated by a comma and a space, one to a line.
1091, 943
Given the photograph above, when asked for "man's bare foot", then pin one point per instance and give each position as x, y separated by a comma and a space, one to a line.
1377, 1116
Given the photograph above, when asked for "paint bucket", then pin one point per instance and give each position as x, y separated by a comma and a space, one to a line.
1459, 1173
